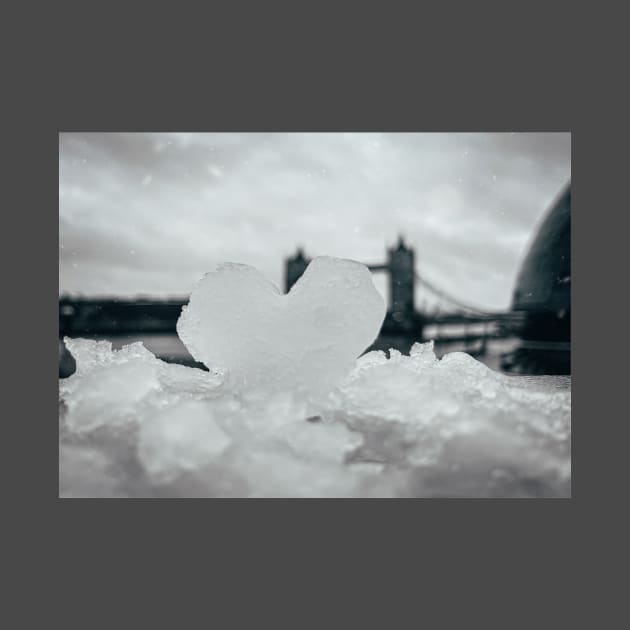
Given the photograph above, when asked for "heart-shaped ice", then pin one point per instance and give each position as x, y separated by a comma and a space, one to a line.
306, 340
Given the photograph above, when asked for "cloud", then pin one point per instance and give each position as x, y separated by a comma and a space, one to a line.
150, 213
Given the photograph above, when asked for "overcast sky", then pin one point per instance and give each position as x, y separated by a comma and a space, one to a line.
149, 214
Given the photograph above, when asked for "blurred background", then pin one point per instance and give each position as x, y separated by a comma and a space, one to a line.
467, 234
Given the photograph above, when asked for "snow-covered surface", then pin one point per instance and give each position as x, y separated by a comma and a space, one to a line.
399, 426
286, 411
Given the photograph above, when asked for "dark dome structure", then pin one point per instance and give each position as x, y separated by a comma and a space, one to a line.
543, 294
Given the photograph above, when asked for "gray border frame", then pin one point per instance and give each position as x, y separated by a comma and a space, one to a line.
528, 72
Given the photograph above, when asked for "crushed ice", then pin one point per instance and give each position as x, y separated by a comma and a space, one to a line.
287, 410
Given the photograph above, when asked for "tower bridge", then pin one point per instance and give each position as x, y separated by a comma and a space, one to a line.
455, 323
540, 315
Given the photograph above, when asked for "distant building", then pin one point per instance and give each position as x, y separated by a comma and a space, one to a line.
401, 266
543, 294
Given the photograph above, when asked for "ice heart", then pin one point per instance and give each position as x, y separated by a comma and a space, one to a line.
306, 340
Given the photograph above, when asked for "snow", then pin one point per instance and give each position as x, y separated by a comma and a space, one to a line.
132, 425
287, 410
182, 436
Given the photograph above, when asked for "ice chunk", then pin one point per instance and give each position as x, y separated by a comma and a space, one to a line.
185, 381
366, 362
88, 354
463, 429
328, 442
273, 471
306, 340
422, 355
91, 356
472, 375
86, 471
396, 425
107, 386
180, 438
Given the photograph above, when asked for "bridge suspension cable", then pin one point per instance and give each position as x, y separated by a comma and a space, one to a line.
449, 298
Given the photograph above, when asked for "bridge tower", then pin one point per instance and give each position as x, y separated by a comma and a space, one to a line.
295, 267
400, 260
